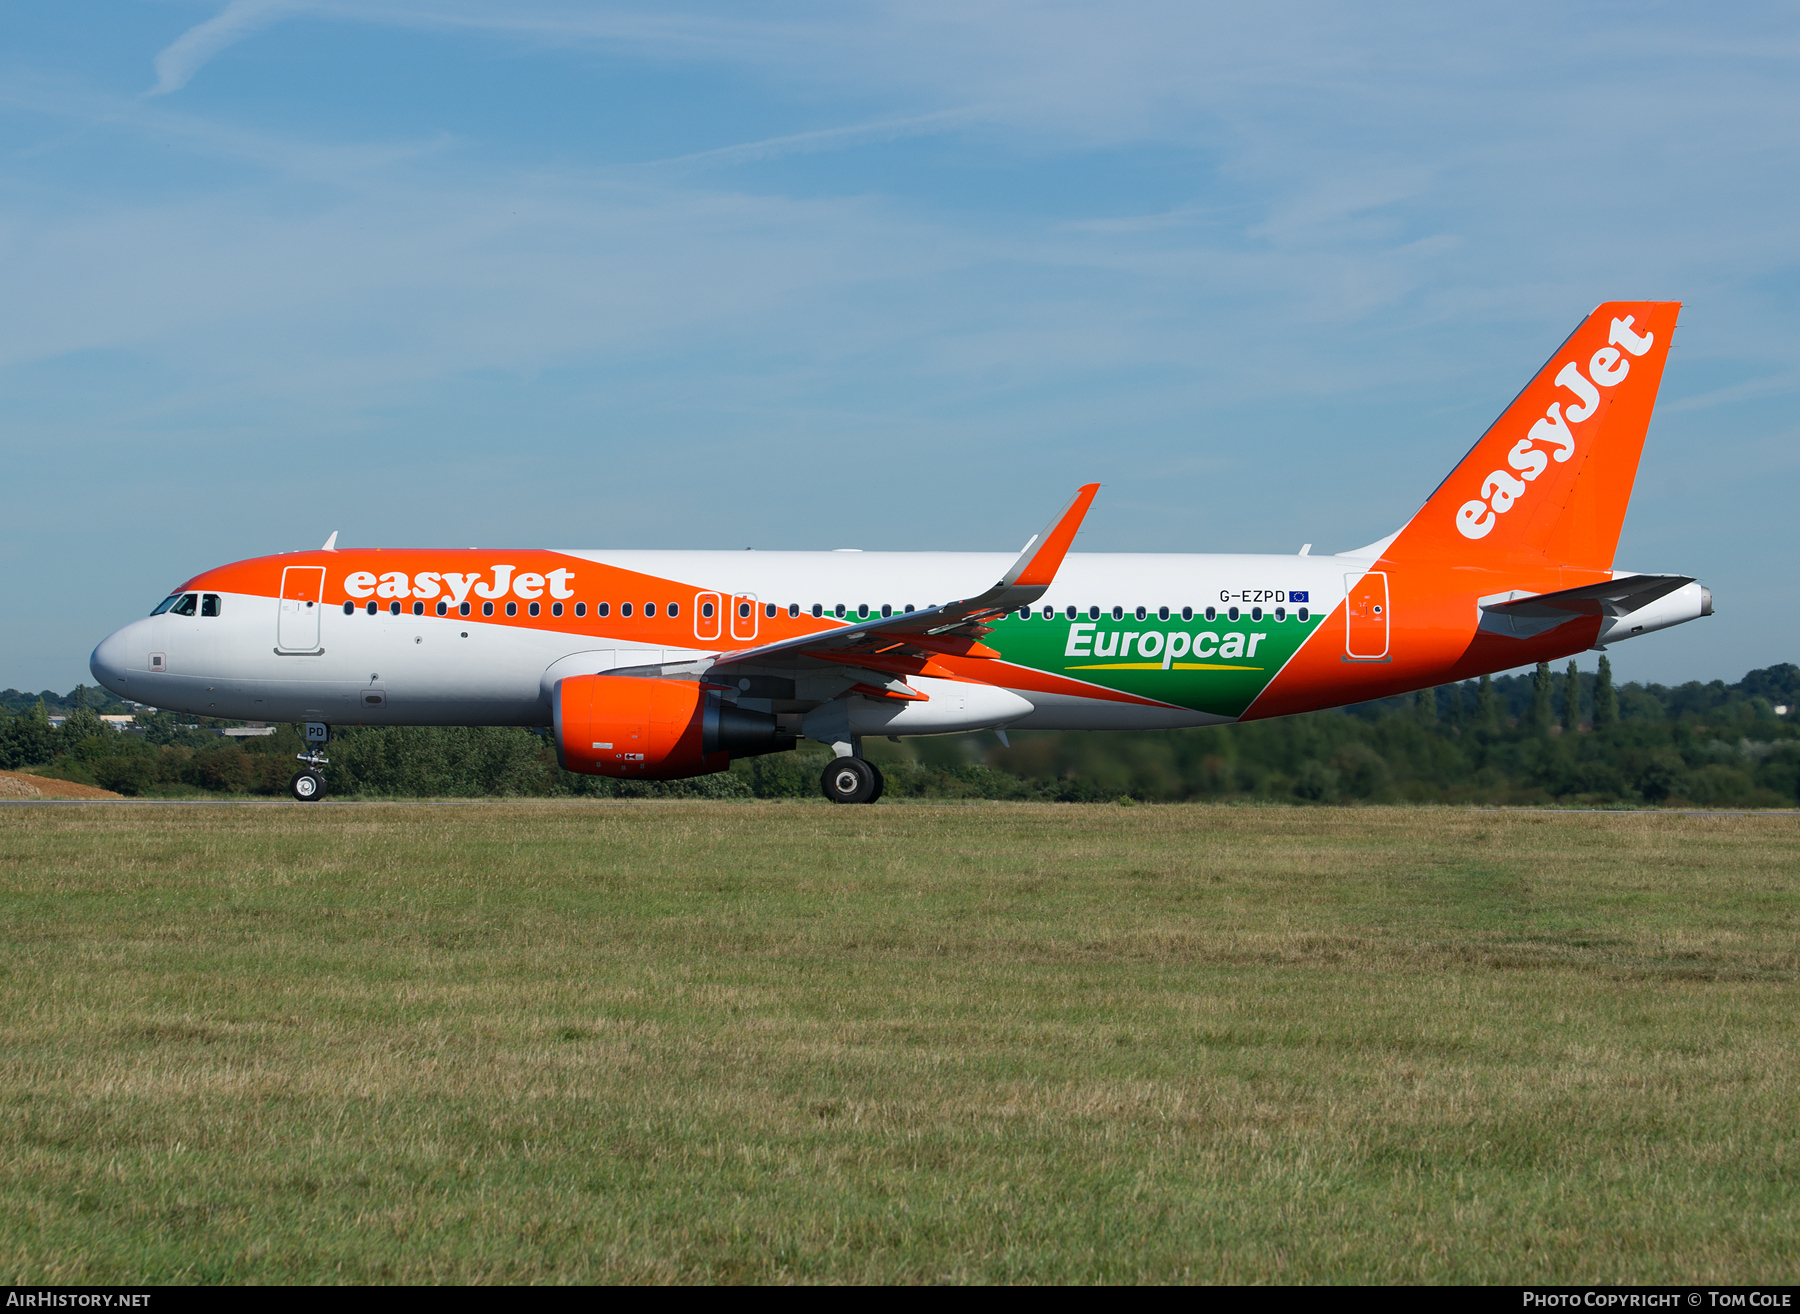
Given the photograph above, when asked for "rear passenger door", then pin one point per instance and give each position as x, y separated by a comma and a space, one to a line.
1366, 616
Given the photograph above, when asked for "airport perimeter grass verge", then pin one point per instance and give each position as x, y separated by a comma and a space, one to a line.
995, 1042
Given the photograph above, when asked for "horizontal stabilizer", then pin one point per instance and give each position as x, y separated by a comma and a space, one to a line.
1521, 615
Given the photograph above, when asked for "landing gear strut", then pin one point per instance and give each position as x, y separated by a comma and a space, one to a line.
852, 780
308, 785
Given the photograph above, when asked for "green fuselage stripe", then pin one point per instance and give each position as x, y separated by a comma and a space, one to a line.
1216, 666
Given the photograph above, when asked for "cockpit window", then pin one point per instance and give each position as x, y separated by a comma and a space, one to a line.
187, 604
166, 603
209, 604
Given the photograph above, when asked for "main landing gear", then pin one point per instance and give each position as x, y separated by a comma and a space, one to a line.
852, 780
308, 786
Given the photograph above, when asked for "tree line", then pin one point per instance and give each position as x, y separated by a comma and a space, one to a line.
1548, 737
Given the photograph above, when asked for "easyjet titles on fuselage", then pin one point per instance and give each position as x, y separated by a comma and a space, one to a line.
427, 584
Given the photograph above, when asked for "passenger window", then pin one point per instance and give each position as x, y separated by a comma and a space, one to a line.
534, 609
512, 609
706, 610
166, 603
1162, 613
1140, 613
794, 609
1255, 613
674, 610
818, 609
1212, 613
555, 609
649, 610
604, 609
187, 605
581, 609
1232, 614
1304, 615
372, 606
838, 611
487, 608
769, 610
862, 611
349, 609
1093, 613
1025, 613
209, 604
443, 608
1281, 613
887, 609
1187, 613
418, 609
624, 609
462, 609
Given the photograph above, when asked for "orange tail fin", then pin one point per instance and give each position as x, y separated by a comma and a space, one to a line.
1551, 478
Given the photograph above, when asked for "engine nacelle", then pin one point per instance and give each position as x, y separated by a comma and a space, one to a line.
649, 729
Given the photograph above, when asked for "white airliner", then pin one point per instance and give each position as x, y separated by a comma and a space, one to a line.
658, 665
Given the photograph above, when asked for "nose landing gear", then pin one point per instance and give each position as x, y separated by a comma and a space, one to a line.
308, 786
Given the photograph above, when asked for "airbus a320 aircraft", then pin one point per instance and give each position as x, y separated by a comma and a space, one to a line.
659, 665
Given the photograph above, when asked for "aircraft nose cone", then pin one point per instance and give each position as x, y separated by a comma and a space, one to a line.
110, 663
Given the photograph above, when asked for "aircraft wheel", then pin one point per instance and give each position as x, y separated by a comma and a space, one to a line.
849, 780
880, 783
308, 786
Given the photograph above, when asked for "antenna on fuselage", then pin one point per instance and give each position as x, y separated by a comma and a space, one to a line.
330, 543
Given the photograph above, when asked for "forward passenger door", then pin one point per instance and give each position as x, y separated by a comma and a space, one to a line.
302, 592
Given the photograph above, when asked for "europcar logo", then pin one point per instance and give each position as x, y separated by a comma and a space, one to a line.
1607, 368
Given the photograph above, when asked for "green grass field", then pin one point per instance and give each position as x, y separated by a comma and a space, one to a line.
692, 1042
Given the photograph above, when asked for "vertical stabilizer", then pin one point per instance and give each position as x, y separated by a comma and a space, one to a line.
1549, 482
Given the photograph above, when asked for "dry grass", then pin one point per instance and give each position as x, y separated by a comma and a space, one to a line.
998, 1042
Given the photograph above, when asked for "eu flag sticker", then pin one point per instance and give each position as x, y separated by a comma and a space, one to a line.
1299, 596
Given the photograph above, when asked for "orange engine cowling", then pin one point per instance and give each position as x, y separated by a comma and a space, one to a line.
650, 729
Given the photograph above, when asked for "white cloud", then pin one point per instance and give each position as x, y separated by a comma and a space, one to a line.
828, 139
183, 57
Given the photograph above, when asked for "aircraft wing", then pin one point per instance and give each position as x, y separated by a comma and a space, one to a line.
954, 628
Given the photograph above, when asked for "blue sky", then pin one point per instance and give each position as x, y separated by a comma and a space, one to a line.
886, 276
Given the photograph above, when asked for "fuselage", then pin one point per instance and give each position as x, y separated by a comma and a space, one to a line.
471, 637
386, 640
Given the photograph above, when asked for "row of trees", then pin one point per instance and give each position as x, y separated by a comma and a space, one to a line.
1548, 737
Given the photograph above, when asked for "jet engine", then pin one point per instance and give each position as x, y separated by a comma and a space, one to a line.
651, 729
